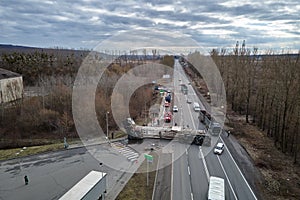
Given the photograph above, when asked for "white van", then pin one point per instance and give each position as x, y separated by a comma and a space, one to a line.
196, 107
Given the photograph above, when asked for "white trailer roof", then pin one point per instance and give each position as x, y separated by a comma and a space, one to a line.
80, 189
216, 189
176, 128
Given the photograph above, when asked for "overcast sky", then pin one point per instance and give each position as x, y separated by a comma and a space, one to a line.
272, 24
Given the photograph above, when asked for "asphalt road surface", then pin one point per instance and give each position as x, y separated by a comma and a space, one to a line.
52, 174
162, 189
191, 172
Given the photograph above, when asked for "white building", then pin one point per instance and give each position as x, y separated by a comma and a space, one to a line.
11, 86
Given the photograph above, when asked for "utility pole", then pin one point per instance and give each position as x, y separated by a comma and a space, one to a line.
145, 114
149, 158
107, 125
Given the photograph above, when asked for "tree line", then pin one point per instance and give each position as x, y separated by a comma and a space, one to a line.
264, 88
39, 64
48, 114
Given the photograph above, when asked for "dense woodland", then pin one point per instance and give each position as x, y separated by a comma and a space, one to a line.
47, 115
264, 88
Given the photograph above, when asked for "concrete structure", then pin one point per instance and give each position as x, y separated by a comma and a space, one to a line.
11, 86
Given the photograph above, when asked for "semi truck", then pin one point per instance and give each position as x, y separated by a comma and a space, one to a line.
213, 127
184, 89
205, 118
168, 98
92, 186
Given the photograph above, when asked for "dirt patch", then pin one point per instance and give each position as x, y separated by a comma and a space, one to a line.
281, 178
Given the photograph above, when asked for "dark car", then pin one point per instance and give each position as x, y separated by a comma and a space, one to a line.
188, 100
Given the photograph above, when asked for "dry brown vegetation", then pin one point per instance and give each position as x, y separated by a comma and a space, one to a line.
266, 89
48, 115
263, 96
281, 178
40, 64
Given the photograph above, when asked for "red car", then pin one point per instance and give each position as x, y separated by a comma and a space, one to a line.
168, 117
167, 104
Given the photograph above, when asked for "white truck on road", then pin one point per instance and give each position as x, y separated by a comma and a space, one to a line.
92, 186
216, 190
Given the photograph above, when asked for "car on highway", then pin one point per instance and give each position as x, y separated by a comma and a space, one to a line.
196, 107
188, 100
168, 117
219, 148
175, 109
167, 104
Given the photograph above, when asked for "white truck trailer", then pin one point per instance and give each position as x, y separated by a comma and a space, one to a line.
92, 186
216, 190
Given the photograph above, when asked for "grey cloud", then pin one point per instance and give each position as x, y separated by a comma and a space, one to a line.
66, 23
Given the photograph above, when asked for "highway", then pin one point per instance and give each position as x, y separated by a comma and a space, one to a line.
191, 172
52, 174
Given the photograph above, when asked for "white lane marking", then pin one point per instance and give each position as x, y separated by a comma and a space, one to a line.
172, 172
239, 170
199, 154
227, 178
204, 163
154, 187
194, 126
186, 152
132, 157
125, 151
128, 153
192, 196
189, 172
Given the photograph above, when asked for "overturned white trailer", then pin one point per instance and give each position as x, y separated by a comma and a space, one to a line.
187, 135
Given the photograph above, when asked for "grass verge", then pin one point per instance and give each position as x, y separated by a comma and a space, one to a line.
136, 188
12, 153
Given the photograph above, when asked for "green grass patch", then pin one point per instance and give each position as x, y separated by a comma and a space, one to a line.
136, 188
11, 153
118, 134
